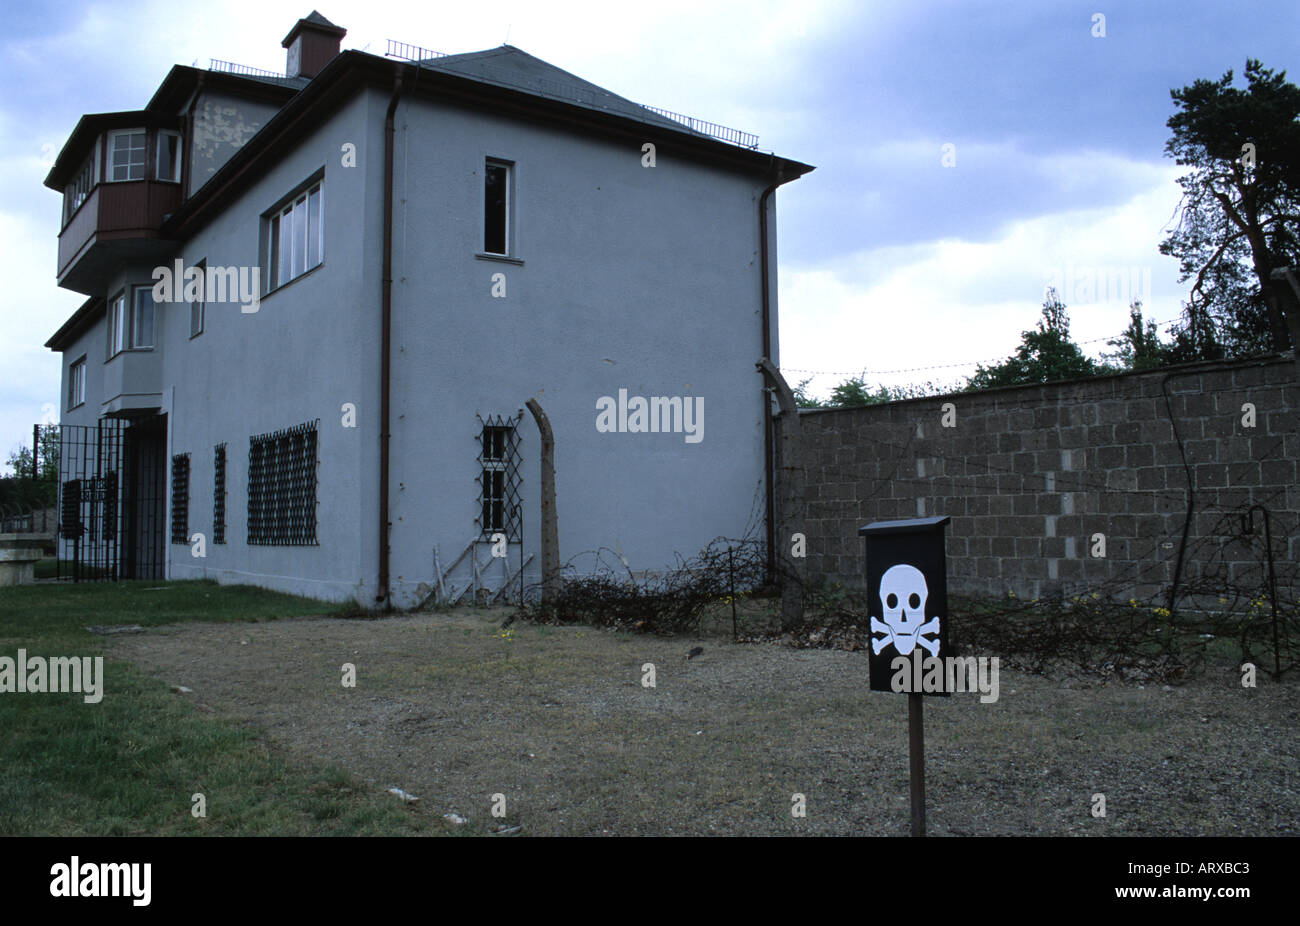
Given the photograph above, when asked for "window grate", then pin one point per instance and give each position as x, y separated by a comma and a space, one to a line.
219, 493
282, 487
108, 484
499, 509
181, 498
70, 526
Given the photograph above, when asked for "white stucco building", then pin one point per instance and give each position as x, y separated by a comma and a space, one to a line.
398, 253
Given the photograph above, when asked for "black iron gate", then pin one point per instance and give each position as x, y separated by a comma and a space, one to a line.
111, 503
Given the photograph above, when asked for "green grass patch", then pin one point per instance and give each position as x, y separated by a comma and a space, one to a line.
131, 764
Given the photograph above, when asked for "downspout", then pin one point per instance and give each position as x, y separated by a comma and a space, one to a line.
385, 337
768, 437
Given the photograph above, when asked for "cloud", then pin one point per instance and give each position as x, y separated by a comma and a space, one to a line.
925, 307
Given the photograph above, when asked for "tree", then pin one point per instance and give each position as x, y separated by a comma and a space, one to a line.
19, 492
1237, 219
20, 460
1139, 347
803, 399
1045, 355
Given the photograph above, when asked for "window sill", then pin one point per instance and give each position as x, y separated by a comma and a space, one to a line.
129, 350
283, 286
500, 258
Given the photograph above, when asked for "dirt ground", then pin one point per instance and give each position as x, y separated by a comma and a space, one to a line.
452, 709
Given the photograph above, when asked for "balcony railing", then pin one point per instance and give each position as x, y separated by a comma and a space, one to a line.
114, 212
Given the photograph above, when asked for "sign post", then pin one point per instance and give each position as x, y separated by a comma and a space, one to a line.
907, 590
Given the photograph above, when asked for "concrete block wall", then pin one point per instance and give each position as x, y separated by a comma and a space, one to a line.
1030, 474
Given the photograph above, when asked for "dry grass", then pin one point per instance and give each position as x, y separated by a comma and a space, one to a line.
451, 708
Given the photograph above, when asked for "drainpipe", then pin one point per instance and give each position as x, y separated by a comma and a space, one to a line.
385, 351
768, 437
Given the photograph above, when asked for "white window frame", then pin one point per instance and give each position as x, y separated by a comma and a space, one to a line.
77, 383
78, 190
164, 134
109, 168
509, 167
297, 238
119, 320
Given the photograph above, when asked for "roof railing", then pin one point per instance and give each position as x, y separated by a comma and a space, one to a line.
228, 67
411, 52
588, 98
720, 132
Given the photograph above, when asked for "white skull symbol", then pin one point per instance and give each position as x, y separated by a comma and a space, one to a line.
902, 595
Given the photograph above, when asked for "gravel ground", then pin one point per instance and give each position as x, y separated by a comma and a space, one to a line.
452, 709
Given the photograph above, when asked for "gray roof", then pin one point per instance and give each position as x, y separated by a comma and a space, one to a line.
508, 66
319, 20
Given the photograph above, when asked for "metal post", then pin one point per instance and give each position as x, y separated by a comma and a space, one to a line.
731, 587
916, 750
36, 453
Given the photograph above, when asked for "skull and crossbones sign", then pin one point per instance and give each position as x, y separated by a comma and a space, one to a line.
902, 595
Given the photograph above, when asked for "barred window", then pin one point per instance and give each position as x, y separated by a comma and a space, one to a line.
219, 494
70, 526
108, 485
499, 479
282, 487
181, 498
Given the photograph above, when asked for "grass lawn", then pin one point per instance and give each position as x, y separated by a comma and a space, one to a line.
130, 764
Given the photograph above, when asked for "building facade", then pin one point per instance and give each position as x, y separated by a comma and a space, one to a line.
318, 303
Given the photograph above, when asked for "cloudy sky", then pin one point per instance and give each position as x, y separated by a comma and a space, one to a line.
968, 152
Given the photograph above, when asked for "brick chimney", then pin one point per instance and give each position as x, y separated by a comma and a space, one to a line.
313, 42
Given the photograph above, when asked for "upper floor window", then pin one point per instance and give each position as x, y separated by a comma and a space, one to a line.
169, 156
296, 234
142, 317
75, 193
496, 207
127, 150
118, 323
130, 324
77, 383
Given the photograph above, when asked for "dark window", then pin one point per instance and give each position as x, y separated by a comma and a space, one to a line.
496, 208
142, 318
181, 498
196, 307
77, 383
499, 480
169, 156
219, 494
282, 487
